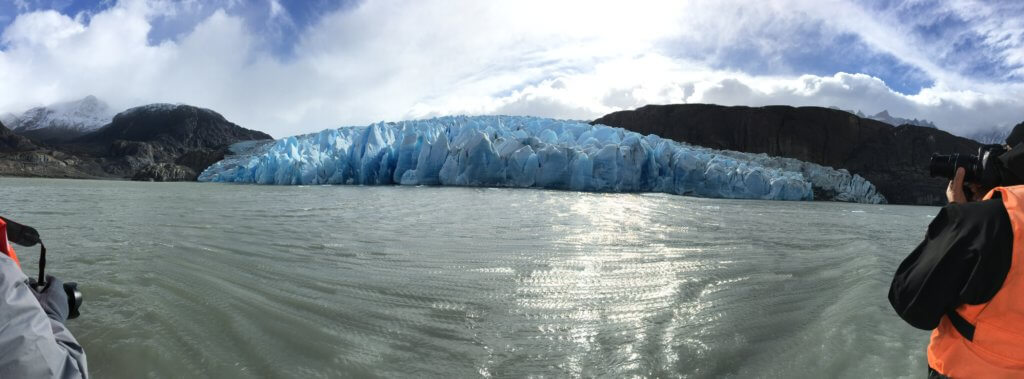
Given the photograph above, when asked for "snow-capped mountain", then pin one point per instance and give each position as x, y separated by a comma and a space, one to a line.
61, 121
993, 135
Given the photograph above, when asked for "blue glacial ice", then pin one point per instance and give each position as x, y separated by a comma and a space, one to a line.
513, 151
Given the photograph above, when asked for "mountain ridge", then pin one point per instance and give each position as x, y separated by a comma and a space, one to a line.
894, 158
161, 142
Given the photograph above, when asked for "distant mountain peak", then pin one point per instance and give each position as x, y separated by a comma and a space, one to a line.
61, 121
886, 117
990, 135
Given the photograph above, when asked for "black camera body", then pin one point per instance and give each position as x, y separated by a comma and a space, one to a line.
984, 168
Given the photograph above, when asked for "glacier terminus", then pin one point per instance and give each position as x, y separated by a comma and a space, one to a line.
525, 152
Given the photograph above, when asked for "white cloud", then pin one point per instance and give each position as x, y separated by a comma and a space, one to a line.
390, 60
45, 29
660, 80
22, 4
276, 10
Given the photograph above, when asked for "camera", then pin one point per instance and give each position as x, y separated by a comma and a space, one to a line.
70, 289
74, 299
28, 236
982, 168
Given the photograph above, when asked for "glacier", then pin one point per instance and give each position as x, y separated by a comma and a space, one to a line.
524, 152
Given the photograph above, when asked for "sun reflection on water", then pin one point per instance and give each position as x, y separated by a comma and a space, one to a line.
618, 287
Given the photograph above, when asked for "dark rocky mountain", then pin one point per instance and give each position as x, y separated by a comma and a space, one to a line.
174, 127
10, 142
164, 142
20, 156
161, 142
894, 159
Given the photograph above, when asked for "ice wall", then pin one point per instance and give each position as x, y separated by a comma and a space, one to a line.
839, 184
507, 151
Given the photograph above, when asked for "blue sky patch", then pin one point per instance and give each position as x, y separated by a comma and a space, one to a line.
277, 32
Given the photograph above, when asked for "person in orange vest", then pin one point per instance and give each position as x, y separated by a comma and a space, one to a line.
965, 281
34, 343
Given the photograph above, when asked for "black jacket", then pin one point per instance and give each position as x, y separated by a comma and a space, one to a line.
964, 258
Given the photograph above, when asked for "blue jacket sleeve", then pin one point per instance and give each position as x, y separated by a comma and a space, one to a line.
33, 345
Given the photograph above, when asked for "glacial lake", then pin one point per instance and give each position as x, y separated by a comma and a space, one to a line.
234, 281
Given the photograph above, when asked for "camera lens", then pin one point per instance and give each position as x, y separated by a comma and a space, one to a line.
941, 166
945, 166
74, 299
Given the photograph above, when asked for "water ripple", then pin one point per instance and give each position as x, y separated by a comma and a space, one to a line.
189, 280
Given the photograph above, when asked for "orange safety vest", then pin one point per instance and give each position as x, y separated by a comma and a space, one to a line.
987, 340
5, 247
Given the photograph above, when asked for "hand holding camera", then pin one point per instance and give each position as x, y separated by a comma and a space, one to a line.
955, 190
59, 300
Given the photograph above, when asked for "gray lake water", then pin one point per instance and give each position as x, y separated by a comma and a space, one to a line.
212, 280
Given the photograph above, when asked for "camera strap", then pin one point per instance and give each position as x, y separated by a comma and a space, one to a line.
20, 234
42, 265
962, 326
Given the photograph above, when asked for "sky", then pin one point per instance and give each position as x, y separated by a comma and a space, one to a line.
293, 67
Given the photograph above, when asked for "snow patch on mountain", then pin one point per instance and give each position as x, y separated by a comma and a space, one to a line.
80, 116
992, 135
